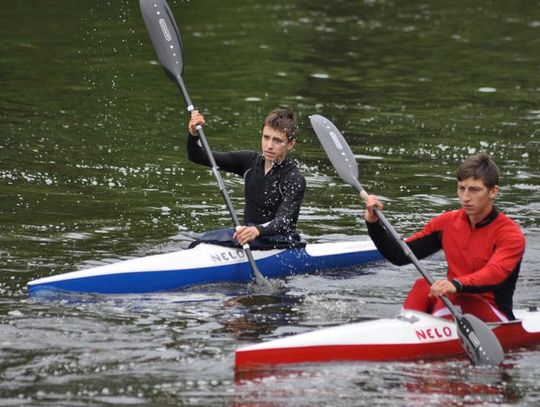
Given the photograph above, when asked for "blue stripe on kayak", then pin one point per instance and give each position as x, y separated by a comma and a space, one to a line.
289, 262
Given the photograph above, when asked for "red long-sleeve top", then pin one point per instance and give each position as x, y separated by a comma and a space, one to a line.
483, 259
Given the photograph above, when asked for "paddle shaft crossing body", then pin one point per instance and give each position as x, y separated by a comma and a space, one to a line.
409, 253
166, 40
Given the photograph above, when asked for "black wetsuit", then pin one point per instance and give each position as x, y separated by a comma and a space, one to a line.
273, 200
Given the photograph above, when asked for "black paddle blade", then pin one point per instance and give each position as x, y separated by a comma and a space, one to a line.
480, 343
165, 38
337, 150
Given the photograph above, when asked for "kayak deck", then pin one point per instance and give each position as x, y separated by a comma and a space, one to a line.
411, 335
205, 264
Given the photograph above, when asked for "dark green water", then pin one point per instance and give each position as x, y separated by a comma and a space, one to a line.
93, 169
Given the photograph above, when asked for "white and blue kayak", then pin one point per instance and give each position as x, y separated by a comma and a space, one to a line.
205, 264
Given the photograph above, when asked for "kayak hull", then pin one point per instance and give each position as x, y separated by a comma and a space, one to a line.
205, 264
412, 335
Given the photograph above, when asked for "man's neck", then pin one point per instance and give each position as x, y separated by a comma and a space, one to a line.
268, 165
476, 219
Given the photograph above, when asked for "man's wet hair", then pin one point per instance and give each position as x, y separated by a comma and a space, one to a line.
282, 119
479, 166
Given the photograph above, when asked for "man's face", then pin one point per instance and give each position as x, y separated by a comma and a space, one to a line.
475, 198
275, 144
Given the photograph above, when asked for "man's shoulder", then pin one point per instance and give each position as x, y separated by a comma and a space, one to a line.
505, 221
290, 166
291, 171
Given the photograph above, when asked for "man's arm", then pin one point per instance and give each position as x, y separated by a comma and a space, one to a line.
504, 261
235, 162
422, 244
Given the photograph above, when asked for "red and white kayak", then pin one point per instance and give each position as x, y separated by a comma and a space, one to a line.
411, 335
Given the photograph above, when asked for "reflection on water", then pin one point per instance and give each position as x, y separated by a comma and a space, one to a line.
447, 384
93, 170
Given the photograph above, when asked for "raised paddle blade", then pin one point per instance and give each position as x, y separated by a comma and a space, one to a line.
166, 40
165, 37
337, 150
479, 342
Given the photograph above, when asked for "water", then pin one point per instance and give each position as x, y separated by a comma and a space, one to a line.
93, 170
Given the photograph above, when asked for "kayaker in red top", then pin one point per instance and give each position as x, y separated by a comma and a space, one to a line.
483, 248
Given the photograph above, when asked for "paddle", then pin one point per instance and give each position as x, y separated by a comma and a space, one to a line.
166, 40
479, 342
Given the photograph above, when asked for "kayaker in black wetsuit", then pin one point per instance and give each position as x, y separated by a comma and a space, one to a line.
274, 187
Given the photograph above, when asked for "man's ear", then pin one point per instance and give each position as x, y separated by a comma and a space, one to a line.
291, 144
494, 192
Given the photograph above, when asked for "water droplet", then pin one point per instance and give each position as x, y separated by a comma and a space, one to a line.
320, 75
